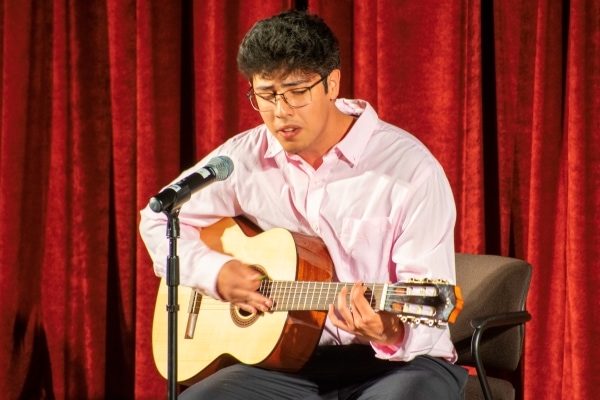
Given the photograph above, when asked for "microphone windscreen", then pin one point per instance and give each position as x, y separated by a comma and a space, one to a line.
222, 167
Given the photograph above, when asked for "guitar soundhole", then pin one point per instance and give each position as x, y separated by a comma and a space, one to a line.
243, 318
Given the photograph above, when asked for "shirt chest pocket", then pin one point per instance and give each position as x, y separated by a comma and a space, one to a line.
367, 240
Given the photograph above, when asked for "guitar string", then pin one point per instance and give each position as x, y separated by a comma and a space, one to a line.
286, 300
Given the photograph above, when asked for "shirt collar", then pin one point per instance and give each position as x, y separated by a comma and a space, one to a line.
353, 144
274, 147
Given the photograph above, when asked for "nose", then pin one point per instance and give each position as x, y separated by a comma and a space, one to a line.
282, 108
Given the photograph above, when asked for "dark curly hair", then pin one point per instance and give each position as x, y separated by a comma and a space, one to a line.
290, 42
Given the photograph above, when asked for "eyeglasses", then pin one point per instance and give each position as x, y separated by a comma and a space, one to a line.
295, 98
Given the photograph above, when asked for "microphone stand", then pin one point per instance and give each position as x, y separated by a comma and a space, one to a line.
169, 201
172, 280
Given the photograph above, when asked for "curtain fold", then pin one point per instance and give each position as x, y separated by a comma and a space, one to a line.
20, 286
541, 210
581, 194
105, 101
121, 274
77, 200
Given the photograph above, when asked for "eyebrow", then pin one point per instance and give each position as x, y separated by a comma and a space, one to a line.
297, 82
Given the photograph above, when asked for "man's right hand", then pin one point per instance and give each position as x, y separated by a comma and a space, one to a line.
238, 283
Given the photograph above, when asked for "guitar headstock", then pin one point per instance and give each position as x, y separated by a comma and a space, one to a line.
427, 301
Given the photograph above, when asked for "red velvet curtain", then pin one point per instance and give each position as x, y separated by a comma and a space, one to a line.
104, 101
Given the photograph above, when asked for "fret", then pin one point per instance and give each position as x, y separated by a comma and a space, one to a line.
320, 294
383, 297
300, 295
304, 292
276, 295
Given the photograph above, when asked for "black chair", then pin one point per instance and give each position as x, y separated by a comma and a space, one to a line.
488, 333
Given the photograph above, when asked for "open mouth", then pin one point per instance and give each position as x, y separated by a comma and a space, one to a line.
288, 132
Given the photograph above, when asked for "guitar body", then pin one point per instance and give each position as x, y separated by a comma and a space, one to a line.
223, 334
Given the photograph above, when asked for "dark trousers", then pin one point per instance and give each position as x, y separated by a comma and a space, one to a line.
337, 372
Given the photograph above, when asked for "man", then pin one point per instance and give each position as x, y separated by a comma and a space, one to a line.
329, 168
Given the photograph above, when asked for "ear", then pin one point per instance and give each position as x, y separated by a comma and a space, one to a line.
333, 84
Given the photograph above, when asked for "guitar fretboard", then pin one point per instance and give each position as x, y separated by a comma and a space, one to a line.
411, 298
303, 296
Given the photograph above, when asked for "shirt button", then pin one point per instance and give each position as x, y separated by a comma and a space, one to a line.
315, 227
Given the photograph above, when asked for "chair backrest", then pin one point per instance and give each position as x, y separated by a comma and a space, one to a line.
490, 285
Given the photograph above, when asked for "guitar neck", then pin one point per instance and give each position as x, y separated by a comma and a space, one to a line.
432, 302
316, 296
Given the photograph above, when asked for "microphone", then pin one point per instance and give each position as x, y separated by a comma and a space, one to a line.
173, 196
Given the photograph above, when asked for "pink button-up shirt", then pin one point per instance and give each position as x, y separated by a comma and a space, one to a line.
380, 202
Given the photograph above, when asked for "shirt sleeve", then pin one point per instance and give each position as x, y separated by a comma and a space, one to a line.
424, 248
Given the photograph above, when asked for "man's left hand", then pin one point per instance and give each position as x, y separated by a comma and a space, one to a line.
358, 317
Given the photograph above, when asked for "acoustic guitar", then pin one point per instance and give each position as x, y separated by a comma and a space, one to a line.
213, 334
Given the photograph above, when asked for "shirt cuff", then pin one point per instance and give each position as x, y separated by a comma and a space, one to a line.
391, 351
206, 276
416, 340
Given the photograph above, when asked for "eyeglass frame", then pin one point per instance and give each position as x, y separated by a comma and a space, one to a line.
251, 92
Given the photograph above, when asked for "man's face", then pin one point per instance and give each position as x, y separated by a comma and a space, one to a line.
306, 130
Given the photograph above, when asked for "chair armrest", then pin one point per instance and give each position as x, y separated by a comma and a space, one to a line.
480, 324
504, 319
